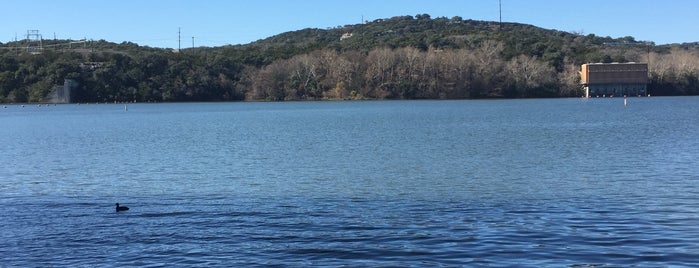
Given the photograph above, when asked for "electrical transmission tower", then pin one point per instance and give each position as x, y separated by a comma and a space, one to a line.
34, 45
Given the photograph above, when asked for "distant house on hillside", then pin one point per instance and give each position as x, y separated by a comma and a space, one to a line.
345, 36
91, 66
614, 79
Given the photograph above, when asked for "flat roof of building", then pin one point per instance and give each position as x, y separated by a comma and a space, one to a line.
600, 63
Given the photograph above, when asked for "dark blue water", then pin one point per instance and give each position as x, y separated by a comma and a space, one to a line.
559, 182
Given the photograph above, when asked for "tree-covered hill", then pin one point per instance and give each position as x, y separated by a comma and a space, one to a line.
405, 57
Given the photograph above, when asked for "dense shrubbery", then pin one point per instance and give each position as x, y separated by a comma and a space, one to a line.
399, 58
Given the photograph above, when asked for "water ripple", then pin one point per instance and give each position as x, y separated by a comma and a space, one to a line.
532, 183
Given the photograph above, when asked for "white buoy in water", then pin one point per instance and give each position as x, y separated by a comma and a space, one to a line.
126, 107
624, 101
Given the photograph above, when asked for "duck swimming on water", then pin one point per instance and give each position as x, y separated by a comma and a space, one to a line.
121, 208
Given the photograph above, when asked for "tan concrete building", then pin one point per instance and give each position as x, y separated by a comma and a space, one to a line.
614, 79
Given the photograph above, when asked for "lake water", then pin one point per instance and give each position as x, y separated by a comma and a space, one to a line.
552, 182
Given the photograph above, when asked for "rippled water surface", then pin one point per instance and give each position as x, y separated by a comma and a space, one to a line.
559, 182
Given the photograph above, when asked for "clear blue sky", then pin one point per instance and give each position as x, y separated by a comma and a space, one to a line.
220, 22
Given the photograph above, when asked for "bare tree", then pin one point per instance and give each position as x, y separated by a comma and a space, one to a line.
269, 82
529, 73
569, 79
381, 65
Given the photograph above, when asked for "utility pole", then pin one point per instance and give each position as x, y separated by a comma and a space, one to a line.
179, 39
361, 33
192, 42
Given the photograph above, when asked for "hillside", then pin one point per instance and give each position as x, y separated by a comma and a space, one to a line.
405, 57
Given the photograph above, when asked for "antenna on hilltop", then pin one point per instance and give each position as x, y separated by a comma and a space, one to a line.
179, 39
500, 9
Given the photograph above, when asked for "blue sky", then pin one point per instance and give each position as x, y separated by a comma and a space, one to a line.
220, 22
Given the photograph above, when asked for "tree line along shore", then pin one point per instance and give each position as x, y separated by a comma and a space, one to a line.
405, 57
